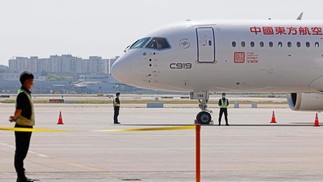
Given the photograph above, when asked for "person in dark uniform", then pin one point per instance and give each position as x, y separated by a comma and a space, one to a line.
223, 104
24, 118
116, 105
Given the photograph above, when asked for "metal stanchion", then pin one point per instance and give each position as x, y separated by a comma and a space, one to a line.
198, 152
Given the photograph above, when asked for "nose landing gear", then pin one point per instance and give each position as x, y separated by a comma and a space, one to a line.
203, 117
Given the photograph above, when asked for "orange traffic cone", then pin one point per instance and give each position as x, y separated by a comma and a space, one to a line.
316, 122
273, 118
60, 119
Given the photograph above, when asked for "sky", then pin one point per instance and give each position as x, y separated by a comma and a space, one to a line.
104, 28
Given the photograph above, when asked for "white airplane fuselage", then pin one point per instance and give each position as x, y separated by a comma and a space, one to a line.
228, 56
202, 57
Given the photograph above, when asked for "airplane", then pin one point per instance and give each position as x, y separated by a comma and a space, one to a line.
230, 56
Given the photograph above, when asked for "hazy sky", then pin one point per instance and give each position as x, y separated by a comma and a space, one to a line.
105, 27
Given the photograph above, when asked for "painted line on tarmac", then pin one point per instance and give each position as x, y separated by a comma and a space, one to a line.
7, 145
38, 154
32, 152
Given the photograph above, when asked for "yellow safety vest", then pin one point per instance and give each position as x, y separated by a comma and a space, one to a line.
22, 120
115, 104
224, 104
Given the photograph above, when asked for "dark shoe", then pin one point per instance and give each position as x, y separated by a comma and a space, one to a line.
25, 179
117, 123
227, 125
219, 124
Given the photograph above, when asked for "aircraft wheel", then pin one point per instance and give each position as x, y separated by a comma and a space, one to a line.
203, 118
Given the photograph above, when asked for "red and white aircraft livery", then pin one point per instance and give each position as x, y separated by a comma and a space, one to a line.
230, 56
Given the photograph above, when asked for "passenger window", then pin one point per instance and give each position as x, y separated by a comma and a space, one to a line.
280, 44
140, 43
289, 44
308, 44
317, 44
158, 43
299, 44
261, 44
243, 44
271, 44
252, 44
234, 44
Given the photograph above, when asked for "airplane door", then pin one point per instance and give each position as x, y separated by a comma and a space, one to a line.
205, 45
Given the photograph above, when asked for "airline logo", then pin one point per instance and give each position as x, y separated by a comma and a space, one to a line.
184, 43
268, 30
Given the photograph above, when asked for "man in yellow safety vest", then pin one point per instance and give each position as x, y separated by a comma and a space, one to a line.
223, 104
116, 105
24, 118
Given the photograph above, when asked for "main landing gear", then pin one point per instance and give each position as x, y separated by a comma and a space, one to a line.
203, 117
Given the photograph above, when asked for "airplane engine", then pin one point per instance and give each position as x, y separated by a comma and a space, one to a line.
305, 101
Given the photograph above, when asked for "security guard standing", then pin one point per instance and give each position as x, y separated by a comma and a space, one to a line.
223, 104
24, 118
116, 105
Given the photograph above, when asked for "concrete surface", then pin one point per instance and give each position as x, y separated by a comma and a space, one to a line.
251, 149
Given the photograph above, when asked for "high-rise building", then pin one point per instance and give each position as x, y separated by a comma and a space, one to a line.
33, 64
96, 64
55, 64
44, 65
68, 64
18, 64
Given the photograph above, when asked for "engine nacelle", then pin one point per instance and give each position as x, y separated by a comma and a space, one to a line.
305, 101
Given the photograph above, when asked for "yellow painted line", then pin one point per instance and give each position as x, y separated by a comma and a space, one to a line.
150, 129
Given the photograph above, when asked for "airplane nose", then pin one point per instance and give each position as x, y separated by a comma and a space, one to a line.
119, 71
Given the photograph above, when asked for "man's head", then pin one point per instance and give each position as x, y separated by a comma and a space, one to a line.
118, 94
26, 79
223, 95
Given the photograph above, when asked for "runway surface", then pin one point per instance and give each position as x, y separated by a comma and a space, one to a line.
251, 149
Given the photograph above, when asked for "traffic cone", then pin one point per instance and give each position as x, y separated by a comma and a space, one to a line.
273, 118
316, 122
60, 119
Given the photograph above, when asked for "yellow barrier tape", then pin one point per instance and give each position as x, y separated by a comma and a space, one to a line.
150, 129
34, 130
113, 130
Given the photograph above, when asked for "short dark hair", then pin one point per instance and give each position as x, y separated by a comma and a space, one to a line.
223, 93
25, 76
118, 93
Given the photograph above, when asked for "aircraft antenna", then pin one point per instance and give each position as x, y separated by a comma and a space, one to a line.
300, 16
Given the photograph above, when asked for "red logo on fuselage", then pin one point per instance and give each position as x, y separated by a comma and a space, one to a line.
239, 57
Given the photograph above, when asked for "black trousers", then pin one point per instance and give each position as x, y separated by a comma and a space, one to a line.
225, 112
22, 147
116, 114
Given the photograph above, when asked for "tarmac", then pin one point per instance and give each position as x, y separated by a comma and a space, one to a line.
250, 149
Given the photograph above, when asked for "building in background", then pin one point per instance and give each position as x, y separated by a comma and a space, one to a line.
61, 64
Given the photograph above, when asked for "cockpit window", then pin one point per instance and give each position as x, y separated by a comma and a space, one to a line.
158, 43
140, 43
